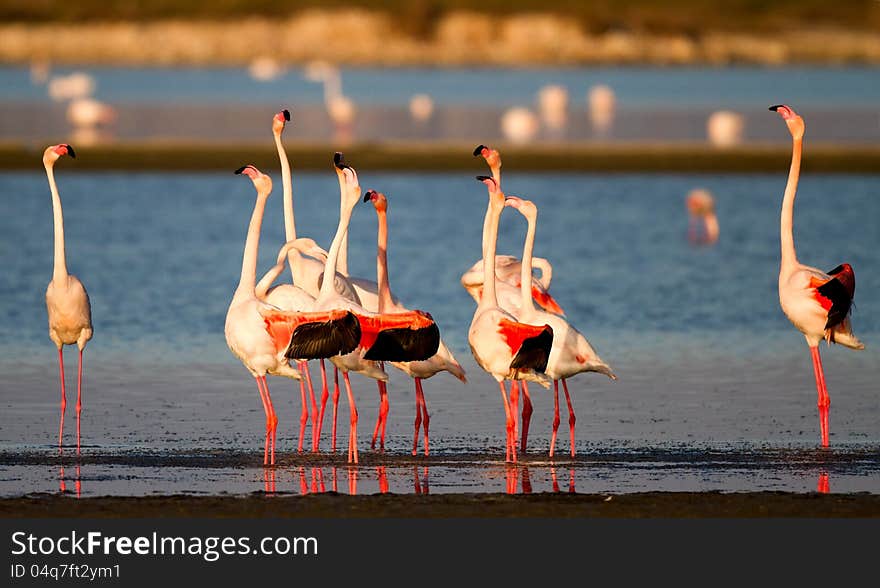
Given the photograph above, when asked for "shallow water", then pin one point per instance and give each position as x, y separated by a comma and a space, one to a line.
707, 362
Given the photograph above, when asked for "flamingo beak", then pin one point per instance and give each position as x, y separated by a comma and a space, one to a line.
240, 170
479, 150
369, 195
776, 107
339, 160
286, 114
70, 151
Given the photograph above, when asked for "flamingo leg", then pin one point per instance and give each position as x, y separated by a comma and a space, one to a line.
79, 377
526, 416
823, 401
571, 417
265, 410
426, 418
304, 415
514, 408
510, 447
63, 400
383, 411
353, 419
315, 430
418, 423
385, 408
555, 416
335, 407
271, 422
325, 394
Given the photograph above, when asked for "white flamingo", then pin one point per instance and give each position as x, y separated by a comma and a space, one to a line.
67, 302
571, 353
501, 345
817, 303
443, 360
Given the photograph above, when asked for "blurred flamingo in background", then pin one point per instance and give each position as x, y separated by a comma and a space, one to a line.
443, 360
702, 220
817, 303
67, 302
571, 353
504, 347
601, 104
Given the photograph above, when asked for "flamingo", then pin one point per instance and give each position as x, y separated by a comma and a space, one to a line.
262, 335
571, 353
443, 360
817, 303
67, 302
307, 275
507, 267
406, 336
702, 220
504, 347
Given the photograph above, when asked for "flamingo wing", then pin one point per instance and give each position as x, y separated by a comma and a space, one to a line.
529, 344
410, 336
836, 295
312, 335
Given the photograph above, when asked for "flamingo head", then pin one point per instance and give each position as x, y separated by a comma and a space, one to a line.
53, 152
526, 207
490, 155
699, 202
792, 119
279, 120
262, 182
380, 203
490, 183
347, 175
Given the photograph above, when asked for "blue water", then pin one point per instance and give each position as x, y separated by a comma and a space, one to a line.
636, 87
706, 359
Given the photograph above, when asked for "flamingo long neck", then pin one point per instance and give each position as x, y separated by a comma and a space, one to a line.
293, 257
60, 269
330, 267
385, 301
490, 242
248, 278
528, 305
496, 173
342, 262
786, 224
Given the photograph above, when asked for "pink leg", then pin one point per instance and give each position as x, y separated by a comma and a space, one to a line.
417, 424
335, 407
265, 410
304, 415
510, 447
353, 419
526, 416
571, 417
273, 420
325, 394
824, 401
383, 410
79, 379
308, 376
63, 401
426, 418
824, 486
514, 408
555, 416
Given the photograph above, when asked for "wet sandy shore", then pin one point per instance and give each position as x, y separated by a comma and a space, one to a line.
334, 505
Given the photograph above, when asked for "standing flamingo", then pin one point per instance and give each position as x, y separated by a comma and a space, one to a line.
571, 353
817, 303
443, 360
67, 302
501, 345
385, 337
702, 220
507, 267
261, 335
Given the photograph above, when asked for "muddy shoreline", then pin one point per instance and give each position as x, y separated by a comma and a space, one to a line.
554, 505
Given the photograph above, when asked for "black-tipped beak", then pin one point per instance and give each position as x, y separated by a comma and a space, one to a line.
241, 169
775, 107
368, 195
479, 150
70, 151
483, 178
339, 160
286, 114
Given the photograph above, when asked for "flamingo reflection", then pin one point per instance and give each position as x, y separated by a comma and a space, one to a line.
421, 485
382, 478
62, 482
269, 481
824, 485
555, 480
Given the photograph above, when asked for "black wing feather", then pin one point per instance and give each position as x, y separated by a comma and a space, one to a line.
405, 344
534, 352
325, 339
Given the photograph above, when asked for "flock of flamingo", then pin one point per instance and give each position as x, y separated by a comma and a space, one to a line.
519, 333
